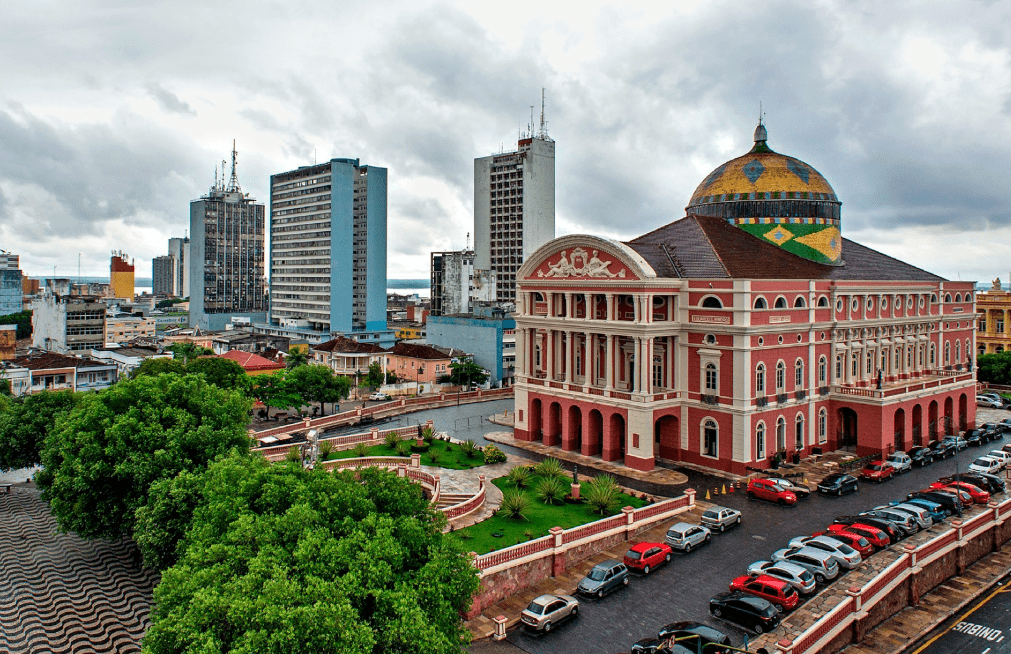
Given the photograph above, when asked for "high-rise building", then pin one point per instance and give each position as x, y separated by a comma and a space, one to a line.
121, 274
10, 283
456, 286
64, 321
328, 249
226, 256
514, 207
180, 249
164, 272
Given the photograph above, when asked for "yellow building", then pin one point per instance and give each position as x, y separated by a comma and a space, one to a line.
121, 276
993, 324
122, 330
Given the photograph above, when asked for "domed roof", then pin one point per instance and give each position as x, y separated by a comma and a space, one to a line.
777, 197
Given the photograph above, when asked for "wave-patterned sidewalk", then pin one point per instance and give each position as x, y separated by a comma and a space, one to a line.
59, 593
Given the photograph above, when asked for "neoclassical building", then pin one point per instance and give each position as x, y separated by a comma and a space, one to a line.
994, 328
748, 328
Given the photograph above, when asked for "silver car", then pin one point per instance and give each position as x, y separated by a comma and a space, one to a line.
900, 461
817, 562
920, 514
847, 557
720, 517
684, 536
904, 522
548, 610
791, 573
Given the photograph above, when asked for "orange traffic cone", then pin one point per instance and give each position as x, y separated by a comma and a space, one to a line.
707, 496
732, 487
724, 489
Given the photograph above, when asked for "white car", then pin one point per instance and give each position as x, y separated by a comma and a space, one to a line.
1001, 456
988, 402
847, 557
900, 461
379, 397
986, 464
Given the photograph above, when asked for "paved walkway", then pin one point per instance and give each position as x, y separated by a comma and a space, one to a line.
18, 476
467, 482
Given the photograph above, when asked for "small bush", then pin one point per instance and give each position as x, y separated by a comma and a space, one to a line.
529, 534
602, 496
361, 450
325, 449
464, 534
433, 456
551, 490
515, 504
519, 476
391, 439
293, 455
605, 481
493, 455
549, 467
403, 448
469, 449
428, 434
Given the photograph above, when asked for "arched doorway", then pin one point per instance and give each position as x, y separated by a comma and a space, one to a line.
949, 416
963, 413
535, 420
614, 438
667, 437
917, 425
932, 420
900, 430
572, 440
594, 435
781, 434
552, 436
847, 427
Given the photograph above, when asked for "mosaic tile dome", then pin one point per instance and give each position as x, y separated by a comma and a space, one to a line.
775, 197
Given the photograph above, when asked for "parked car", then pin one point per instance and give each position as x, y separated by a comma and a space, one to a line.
798, 577
647, 556
748, 611
802, 491
894, 535
994, 430
548, 610
684, 536
975, 437
604, 578
847, 557
933, 509
817, 562
942, 449
877, 471
920, 514
986, 464
978, 495
921, 456
764, 489
1001, 456
838, 483
988, 402
900, 461
651, 646
906, 523
957, 441
720, 517
950, 502
782, 595
697, 636
857, 542
874, 536
990, 394
379, 397
1005, 425
992, 484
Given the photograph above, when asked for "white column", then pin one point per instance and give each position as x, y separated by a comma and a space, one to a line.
548, 355
570, 311
637, 308
570, 349
637, 364
590, 360
609, 363
670, 362
647, 373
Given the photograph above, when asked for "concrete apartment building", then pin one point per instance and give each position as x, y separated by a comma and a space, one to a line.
10, 284
328, 251
63, 322
226, 256
121, 275
179, 248
456, 285
164, 270
514, 208
128, 328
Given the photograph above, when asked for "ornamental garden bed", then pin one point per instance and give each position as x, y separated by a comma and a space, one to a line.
446, 454
501, 531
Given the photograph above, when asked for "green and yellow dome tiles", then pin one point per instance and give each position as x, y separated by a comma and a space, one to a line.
777, 198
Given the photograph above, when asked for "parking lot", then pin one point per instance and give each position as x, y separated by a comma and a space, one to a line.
682, 589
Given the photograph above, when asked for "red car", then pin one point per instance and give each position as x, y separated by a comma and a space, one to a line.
856, 541
978, 495
877, 471
874, 536
646, 556
783, 595
766, 489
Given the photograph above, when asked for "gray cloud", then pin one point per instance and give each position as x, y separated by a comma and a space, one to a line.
167, 100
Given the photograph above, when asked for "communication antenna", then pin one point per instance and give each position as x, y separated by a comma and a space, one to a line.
215, 178
468, 241
233, 181
543, 134
222, 187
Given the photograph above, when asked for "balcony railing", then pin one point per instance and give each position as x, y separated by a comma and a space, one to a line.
710, 399
762, 401
801, 394
782, 398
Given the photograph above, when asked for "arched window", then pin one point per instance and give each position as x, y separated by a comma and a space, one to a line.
822, 371
800, 431
760, 379
799, 303
898, 358
712, 302
855, 364
958, 297
909, 356
870, 362
780, 377
823, 301
947, 297
760, 441
933, 298
933, 355
958, 352
947, 354
760, 303
822, 426
798, 377
780, 302
838, 367
780, 434
537, 355
712, 381
710, 438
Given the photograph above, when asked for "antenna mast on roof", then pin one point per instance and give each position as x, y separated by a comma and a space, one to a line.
468, 241
543, 134
530, 125
222, 187
233, 181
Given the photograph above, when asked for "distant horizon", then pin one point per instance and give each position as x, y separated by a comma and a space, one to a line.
145, 282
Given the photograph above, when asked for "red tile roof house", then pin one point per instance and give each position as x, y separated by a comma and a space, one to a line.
253, 364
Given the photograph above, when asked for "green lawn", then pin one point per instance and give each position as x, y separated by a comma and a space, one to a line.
449, 455
539, 519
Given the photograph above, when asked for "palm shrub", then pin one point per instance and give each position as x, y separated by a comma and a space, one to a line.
403, 448
469, 449
361, 450
602, 494
433, 456
325, 449
293, 455
549, 467
551, 490
428, 434
391, 439
519, 476
515, 504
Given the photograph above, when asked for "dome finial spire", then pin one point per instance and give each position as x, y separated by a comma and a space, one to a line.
761, 135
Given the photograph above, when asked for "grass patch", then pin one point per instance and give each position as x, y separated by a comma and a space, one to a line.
447, 455
539, 517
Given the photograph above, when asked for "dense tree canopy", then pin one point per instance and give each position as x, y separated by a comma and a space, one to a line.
994, 368
103, 455
280, 559
23, 319
25, 422
275, 391
189, 351
465, 372
159, 366
318, 383
223, 373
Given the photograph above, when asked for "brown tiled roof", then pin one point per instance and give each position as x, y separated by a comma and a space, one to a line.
415, 351
707, 247
347, 345
250, 361
48, 360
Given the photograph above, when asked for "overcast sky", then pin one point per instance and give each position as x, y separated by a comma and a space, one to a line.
114, 115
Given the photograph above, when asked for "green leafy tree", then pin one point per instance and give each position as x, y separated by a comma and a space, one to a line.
223, 373
159, 366
23, 319
188, 351
280, 560
464, 372
318, 383
102, 456
26, 422
994, 368
275, 391
374, 378
391, 377
295, 359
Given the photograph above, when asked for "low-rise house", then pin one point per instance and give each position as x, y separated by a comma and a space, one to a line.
52, 371
420, 363
128, 358
253, 364
126, 328
346, 356
247, 341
